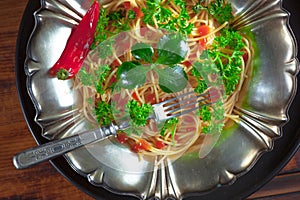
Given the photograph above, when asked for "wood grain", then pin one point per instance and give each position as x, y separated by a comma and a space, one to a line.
43, 181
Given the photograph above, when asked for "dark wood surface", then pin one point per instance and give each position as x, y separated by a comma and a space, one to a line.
43, 181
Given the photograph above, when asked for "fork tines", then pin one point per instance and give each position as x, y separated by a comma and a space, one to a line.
188, 102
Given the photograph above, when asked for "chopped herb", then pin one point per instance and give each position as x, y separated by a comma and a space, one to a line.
157, 10
213, 128
139, 113
170, 125
120, 20
103, 113
87, 79
101, 33
215, 61
229, 38
219, 110
221, 10
205, 113
218, 9
180, 3
201, 87
116, 15
201, 70
131, 14
229, 65
214, 117
101, 75
96, 78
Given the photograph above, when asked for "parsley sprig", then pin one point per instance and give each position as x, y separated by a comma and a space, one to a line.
170, 125
139, 113
120, 20
213, 117
156, 10
201, 71
103, 112
229, 64
218, 9
95, 78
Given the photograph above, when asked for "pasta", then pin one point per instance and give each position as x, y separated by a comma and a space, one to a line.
203, 35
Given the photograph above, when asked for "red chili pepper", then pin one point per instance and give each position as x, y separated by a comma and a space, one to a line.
78, 45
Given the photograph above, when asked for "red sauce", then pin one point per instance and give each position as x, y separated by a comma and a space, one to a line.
159, 144
122, 138
127, 5
134, 96
245, 57
141, 145
203, 30
138, 12
150, 98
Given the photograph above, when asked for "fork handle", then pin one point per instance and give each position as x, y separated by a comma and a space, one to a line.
59, 147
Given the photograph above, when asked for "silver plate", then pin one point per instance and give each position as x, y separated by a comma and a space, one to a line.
107, 165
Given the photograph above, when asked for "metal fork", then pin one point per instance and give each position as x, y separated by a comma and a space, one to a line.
181, 105
174, 107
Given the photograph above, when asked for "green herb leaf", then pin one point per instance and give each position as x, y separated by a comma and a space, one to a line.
172, 49
198, 6
139, 113
103, 113
131, 14
229, 65
101, 74
218, 9
201, 71
87, 79
170, 125
180, 3
96, 78
142, 51
131, 75
172, 79
100, 33
157, 11
221, 10
118, 20
205, 113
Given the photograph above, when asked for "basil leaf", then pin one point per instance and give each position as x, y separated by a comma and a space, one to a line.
142, 51
131, 75
172, 79
172, 49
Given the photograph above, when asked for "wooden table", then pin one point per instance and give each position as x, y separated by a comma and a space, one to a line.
43, 181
